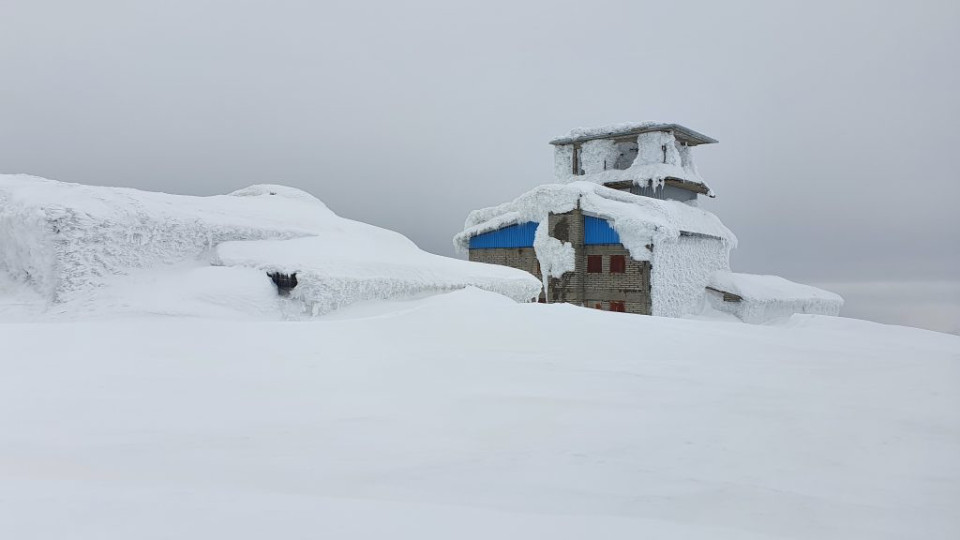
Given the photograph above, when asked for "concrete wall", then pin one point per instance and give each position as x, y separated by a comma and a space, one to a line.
672, 193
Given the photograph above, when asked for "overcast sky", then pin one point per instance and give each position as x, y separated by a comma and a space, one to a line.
837, 120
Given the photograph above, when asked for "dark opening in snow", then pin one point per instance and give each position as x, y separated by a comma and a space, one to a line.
284, 282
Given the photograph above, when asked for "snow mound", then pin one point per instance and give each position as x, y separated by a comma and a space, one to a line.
65, 240
335, 270
258, 190
763, 298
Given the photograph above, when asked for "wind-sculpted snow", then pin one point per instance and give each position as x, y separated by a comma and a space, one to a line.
64, 240
337, 269
467, 416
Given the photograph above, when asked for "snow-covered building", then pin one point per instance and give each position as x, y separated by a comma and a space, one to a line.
69, 243
645, 158
621, 230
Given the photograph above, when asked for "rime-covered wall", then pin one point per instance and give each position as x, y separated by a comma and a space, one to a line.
598, 155
682, 268
758, 312
28, 246
563, 161
644, 159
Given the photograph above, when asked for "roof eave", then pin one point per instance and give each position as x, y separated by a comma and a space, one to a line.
684, 134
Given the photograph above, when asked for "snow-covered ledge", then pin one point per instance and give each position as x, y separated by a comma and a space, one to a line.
758, 298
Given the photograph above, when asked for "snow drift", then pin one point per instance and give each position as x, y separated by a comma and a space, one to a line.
392, 420
64, 240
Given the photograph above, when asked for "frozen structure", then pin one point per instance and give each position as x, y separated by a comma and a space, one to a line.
65, 241
756, 299
622, 231
644, 158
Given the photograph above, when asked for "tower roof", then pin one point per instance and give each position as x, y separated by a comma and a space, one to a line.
682, 134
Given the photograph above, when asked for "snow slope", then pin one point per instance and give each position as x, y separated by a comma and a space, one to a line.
468, 416
69, 242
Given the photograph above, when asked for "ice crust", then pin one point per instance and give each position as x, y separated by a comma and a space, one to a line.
64, 240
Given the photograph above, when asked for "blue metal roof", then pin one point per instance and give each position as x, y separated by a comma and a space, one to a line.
598, 231
514, 236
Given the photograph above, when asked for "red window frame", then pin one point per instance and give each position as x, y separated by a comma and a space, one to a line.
618, 305
594, 264
618, 264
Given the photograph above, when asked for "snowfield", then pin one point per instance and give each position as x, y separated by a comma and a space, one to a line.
155, 385
466, 415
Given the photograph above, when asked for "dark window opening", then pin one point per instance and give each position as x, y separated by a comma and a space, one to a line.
626, 154
284, 282
619, 306
577, 153
618, 264
594, 264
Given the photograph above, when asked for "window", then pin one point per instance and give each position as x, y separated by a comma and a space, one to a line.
618, 306
618, 264
577, 164
594, 264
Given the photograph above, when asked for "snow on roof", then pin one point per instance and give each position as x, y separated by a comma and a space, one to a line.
638, 220
682, 133
765, 288
279, 208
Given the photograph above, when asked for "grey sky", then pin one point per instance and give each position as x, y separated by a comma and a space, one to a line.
836, 120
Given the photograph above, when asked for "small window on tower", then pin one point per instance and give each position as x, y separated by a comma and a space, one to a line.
618, 264
594, 264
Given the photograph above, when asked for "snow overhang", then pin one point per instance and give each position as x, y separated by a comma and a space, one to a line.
636, 218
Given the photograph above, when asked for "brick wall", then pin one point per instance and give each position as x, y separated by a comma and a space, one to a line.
631, 287
522, 258
568, 227
580, 287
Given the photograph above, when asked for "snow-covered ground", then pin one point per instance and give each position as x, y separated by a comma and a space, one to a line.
465, 415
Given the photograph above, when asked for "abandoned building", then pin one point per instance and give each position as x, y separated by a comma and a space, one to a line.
621, 229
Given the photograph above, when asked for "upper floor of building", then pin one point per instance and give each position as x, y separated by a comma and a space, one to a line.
648, 158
